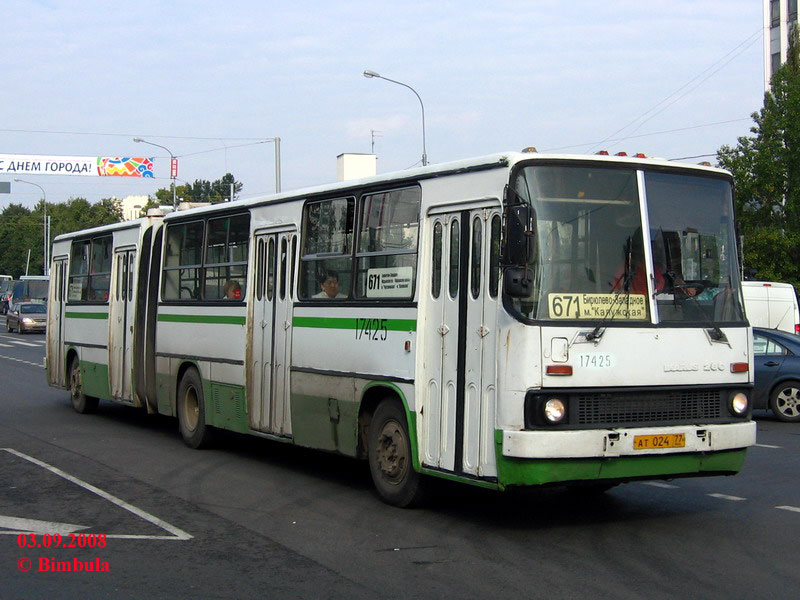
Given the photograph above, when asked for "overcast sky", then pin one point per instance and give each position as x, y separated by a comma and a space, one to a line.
84, 77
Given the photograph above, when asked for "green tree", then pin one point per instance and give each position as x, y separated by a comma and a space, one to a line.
199, 191
766, 169
22, 229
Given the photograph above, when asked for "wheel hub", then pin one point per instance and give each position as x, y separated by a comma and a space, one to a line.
788, 402
392, 456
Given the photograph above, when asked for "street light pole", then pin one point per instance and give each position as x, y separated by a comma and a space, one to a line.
45, 228
372, 74
171, 169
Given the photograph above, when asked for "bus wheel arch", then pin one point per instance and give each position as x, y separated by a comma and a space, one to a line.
190, 407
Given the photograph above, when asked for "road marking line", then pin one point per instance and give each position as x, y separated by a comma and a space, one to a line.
791, 508
659, 484
19, 343
767, 446
20, 525
27, 362
177, 534
726, 497
6, 345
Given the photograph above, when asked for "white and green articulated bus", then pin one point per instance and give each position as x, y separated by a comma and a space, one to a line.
513, 320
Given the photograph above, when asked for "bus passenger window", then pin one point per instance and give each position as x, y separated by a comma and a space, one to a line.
454, 258
387, 244
436, 270
327, 248
475, 266
494, 257
271, 268
284, 270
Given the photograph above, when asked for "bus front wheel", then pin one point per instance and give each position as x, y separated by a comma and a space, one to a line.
80, 402
192, 412
390, 458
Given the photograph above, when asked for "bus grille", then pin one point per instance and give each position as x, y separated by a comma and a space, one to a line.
646, 407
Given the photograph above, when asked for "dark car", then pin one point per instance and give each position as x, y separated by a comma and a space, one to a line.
26, 316
777, 373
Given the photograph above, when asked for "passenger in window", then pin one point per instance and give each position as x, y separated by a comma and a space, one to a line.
329, 282
233, 291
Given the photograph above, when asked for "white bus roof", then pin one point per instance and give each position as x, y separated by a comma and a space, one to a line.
501, 160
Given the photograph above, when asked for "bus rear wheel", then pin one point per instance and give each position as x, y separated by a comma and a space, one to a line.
82, 403
192, 412
390, 458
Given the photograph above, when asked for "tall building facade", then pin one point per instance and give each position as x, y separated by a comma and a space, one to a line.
780, 18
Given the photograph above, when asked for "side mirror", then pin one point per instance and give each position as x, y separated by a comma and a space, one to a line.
519, 235
518, 282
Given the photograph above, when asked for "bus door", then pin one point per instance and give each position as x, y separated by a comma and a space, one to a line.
121, 324
55, 328
271, 332
460, 397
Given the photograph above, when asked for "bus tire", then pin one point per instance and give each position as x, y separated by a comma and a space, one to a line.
785, 401
192, 411
82, 403
390, 458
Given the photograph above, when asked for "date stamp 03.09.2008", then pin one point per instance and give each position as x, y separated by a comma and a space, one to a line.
33, 542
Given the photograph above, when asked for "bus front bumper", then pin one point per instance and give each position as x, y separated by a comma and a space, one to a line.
638, 441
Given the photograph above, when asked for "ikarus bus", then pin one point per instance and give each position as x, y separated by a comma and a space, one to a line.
513, 320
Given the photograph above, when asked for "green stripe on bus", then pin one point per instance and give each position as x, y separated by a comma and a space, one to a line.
217, 319
352, 323
86, 315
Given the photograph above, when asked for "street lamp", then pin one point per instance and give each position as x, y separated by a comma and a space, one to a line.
172, 167
370, 74
45, 229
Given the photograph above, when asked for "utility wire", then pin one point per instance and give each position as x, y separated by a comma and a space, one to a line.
641, 135
163, 137
677, 95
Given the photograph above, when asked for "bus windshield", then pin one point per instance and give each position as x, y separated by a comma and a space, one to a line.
590, 262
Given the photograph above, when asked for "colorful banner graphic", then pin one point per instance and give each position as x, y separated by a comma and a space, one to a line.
124, 167
87, 166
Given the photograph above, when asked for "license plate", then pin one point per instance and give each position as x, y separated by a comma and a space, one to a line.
662, 440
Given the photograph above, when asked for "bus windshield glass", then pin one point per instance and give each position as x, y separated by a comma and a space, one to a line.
590, 262
694, 249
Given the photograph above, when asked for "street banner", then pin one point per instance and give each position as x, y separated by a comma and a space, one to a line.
87, 166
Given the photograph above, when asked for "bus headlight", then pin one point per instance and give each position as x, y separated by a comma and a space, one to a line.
554, 410
738, 404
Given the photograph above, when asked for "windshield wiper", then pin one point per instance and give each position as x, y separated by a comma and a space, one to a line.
627, 282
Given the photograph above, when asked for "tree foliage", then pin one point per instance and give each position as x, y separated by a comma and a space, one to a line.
22, 229
201, 190
766, 169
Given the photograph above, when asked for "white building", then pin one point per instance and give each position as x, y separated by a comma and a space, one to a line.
354, 166
132, 206
780, 17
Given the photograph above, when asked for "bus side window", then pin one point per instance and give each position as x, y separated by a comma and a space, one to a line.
327, 248
436, 270
284, 271
475, 266
494, 257
260, 270
455, 253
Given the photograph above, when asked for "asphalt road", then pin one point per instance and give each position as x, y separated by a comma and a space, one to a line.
257, 519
